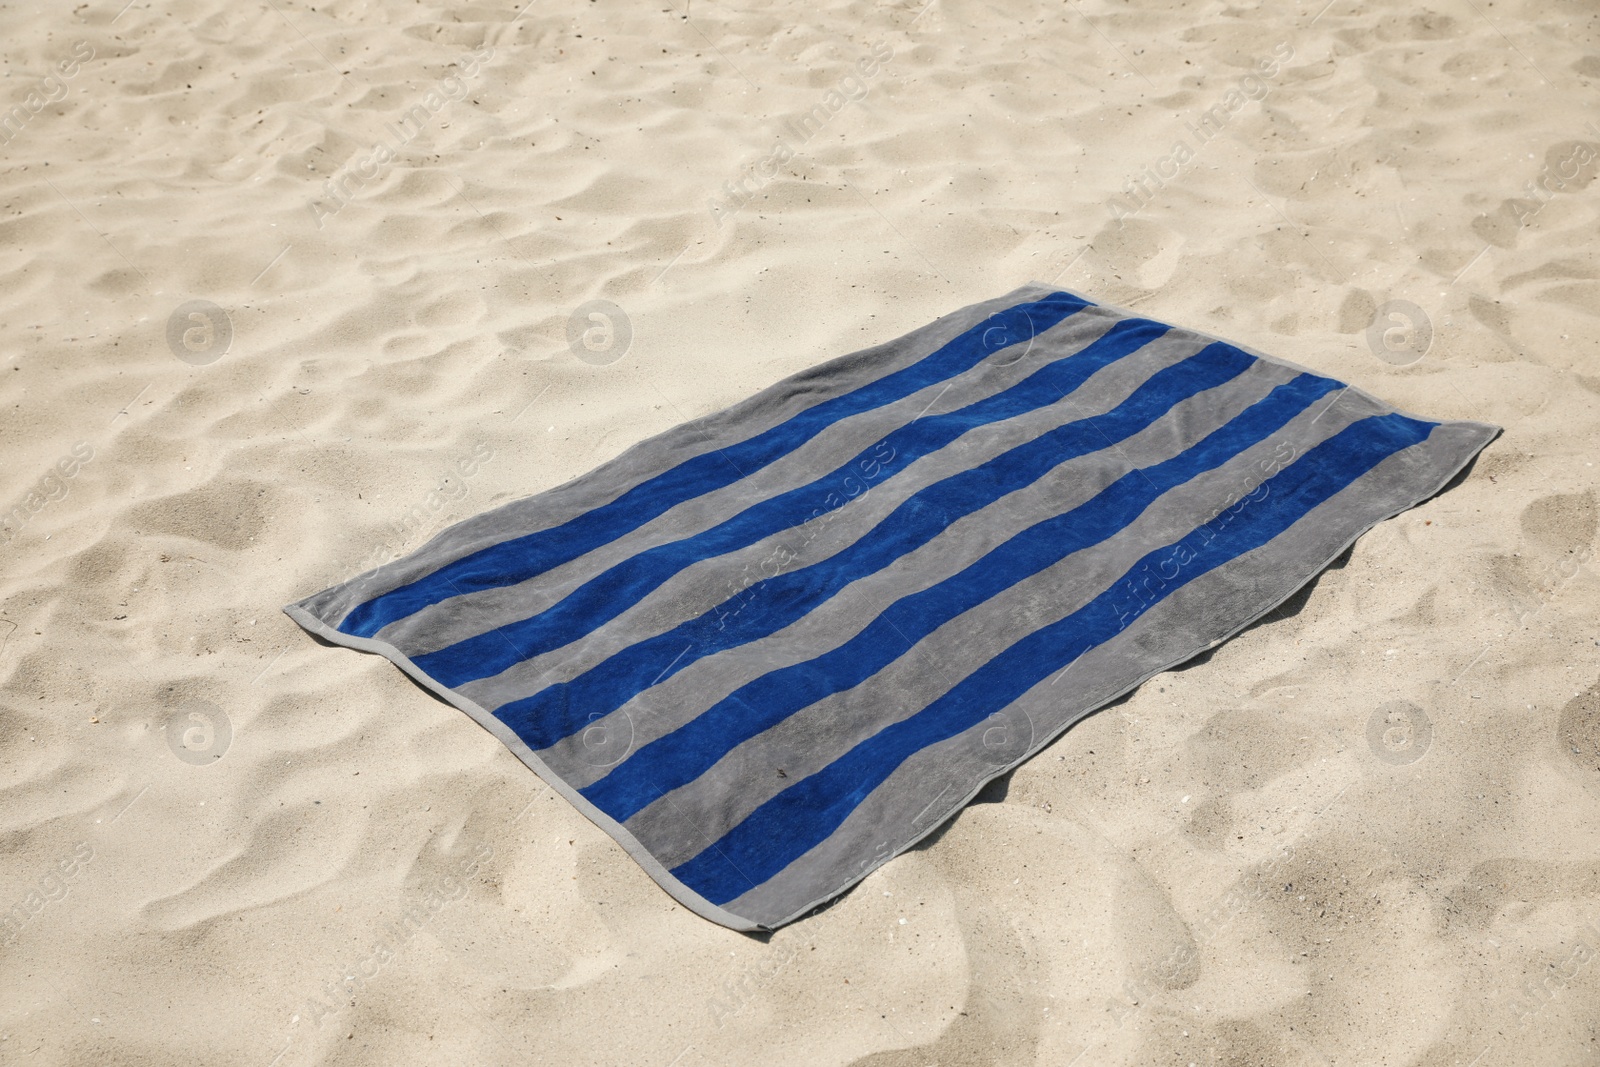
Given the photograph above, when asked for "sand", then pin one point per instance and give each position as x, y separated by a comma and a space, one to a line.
1361, 832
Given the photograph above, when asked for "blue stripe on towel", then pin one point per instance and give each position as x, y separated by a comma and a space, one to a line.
517, 560
685, 754
561, 709
790, 824
608, 594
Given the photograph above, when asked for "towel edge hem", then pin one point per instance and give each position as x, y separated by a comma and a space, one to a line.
1489, 433
504, 734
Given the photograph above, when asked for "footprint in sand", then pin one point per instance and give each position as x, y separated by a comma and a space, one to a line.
1142, 254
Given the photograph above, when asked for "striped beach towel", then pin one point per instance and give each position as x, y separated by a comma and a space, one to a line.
772, 648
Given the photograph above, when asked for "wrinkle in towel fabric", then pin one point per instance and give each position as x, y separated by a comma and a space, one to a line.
772, 648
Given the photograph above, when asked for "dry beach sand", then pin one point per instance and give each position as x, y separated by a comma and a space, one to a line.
1361, 832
